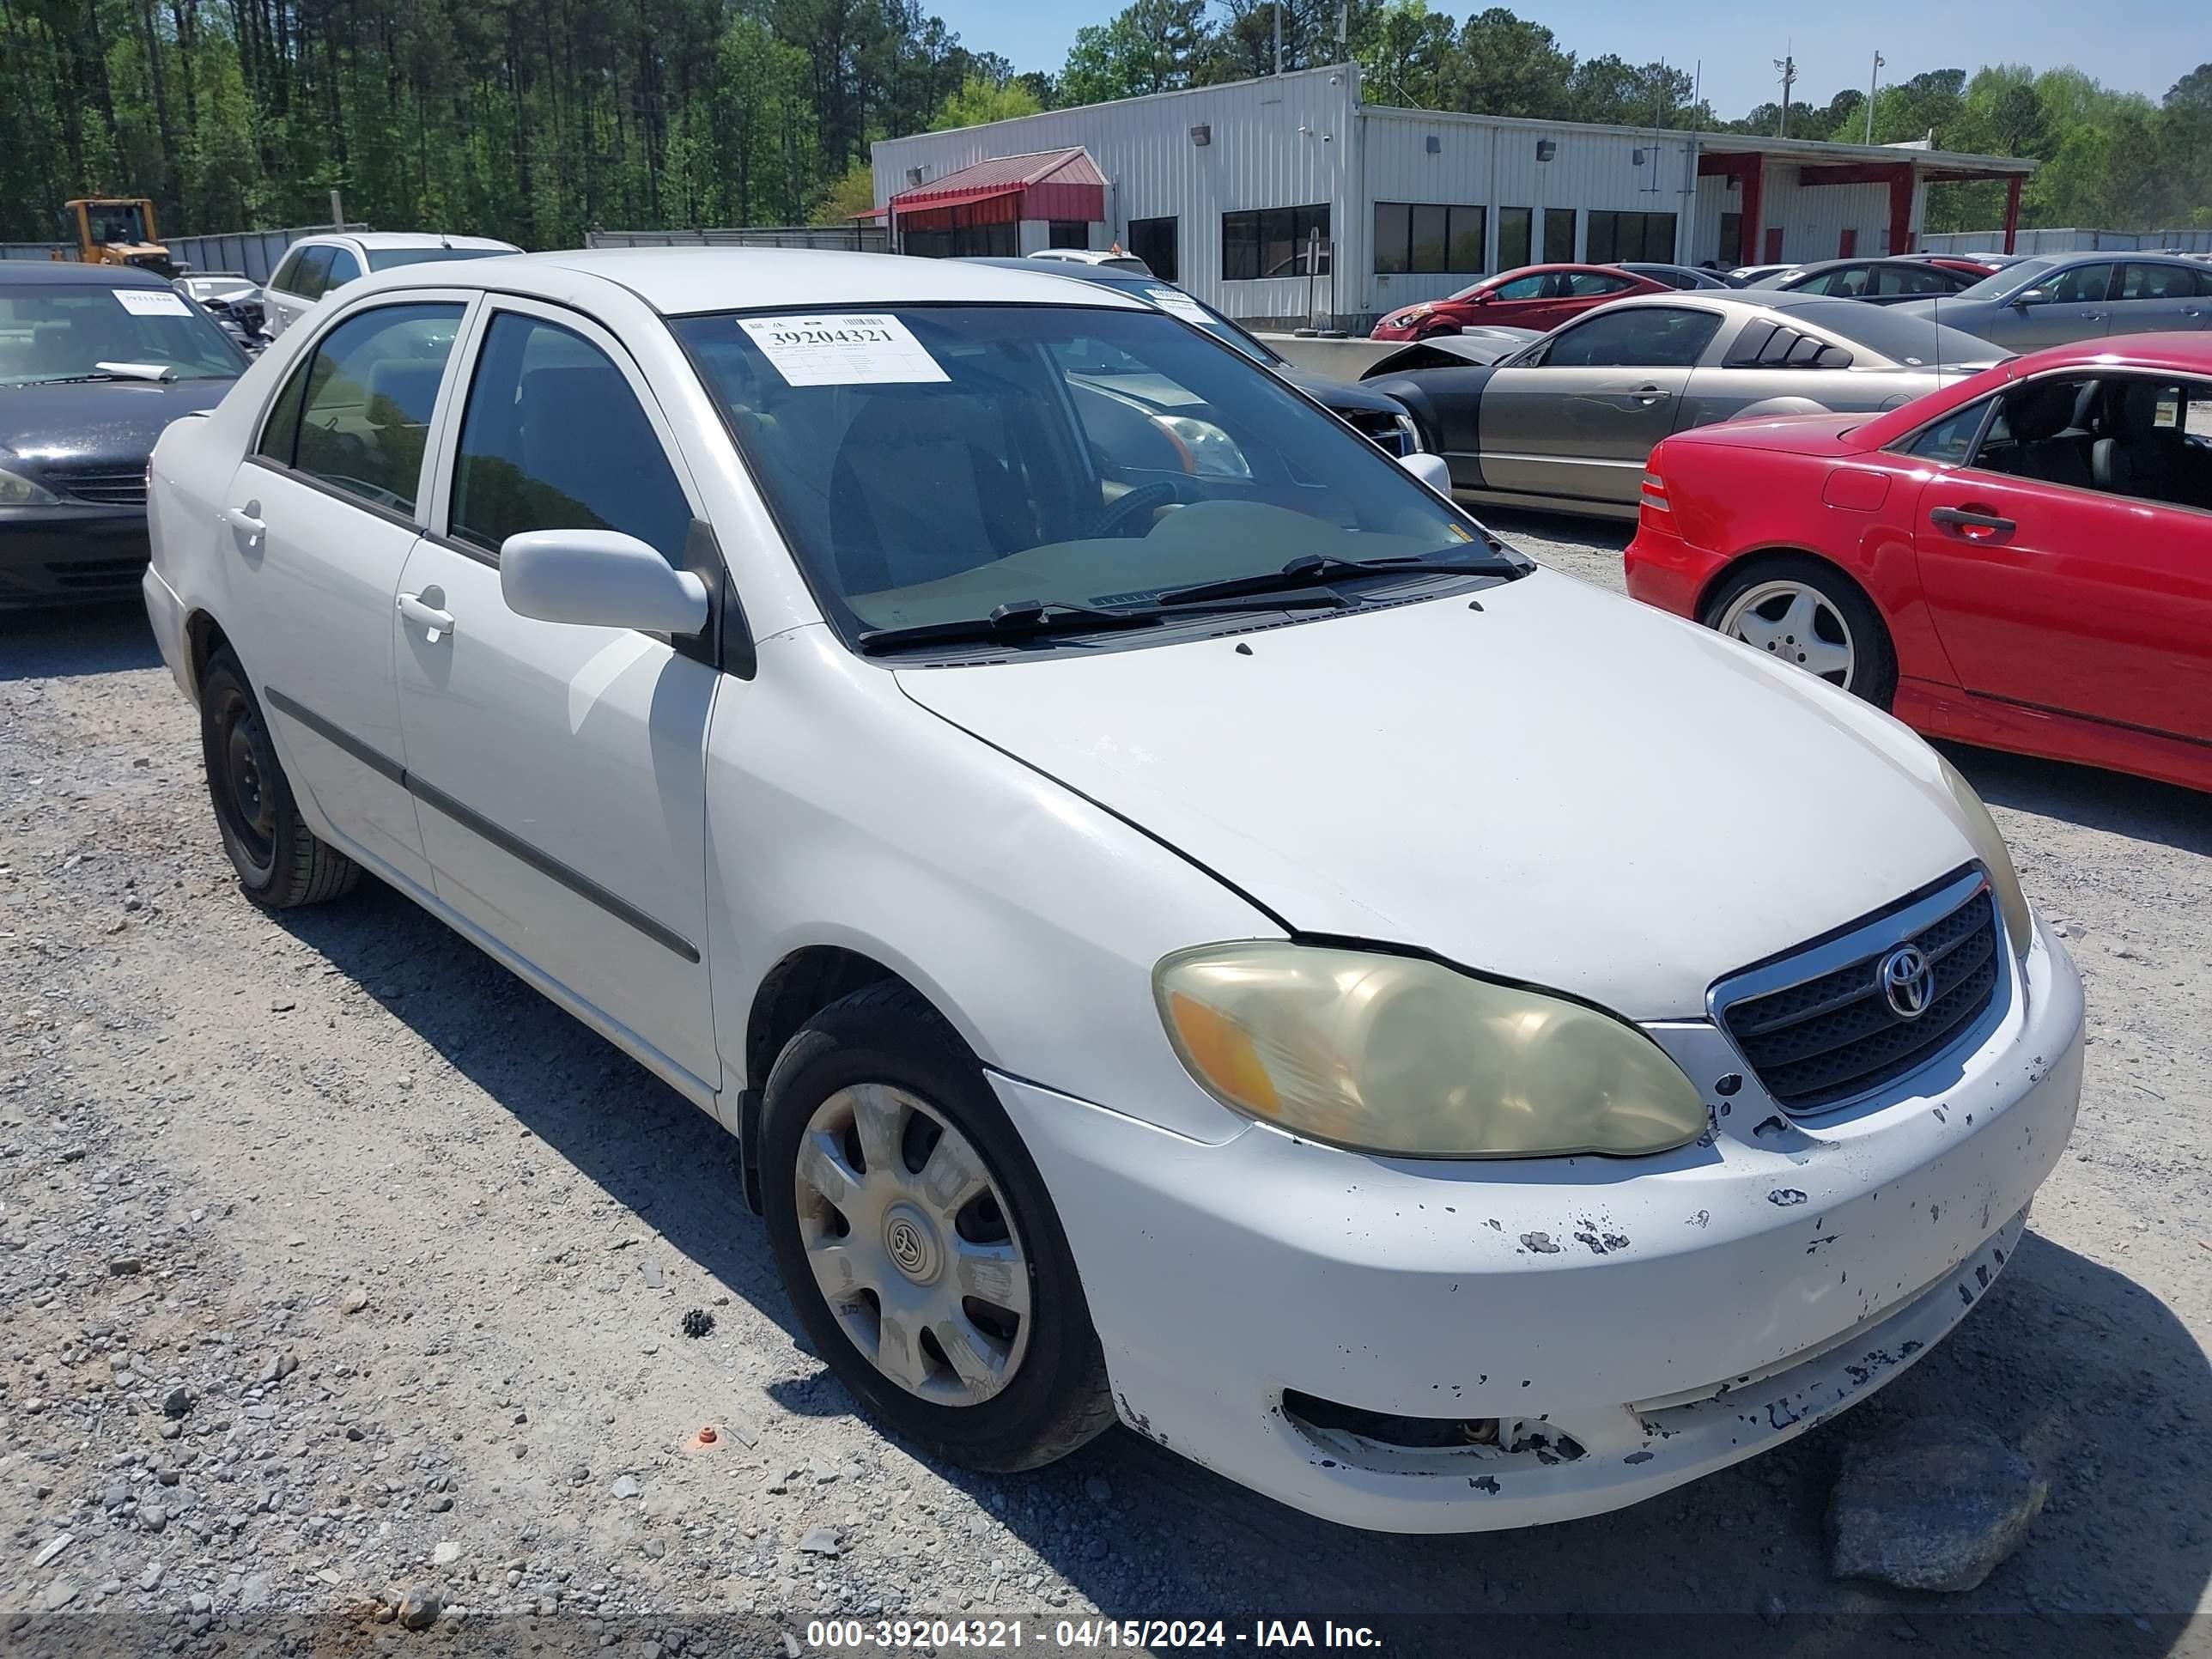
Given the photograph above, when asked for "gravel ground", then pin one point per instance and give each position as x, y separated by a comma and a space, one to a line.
336, 1262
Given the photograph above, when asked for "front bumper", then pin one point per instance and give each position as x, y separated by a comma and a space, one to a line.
1629, 1325
69, 555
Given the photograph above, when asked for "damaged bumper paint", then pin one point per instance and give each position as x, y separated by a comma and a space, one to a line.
1425, 1347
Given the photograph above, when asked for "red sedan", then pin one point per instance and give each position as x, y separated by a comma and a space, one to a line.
1540, 297
2022, 560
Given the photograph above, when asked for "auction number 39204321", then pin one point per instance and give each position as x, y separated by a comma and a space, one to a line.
1134, 1634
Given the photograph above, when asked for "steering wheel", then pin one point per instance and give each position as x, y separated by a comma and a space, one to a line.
1144, 498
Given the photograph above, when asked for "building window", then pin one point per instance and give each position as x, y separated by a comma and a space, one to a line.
1614, 237
1558, 236
1273, 242
1513, 244
1730, 252
953, 233
1415, 237
1153, 240
1067, 232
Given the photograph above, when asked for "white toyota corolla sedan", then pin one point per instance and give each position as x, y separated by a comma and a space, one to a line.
1185, 925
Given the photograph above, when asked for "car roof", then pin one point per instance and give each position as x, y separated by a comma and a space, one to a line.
680, 282
383, 239
1098, 275
51, 272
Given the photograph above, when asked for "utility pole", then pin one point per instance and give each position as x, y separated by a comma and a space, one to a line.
1787, 64
1873, 80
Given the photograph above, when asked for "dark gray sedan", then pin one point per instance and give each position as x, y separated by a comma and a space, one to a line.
1568, 422
2056, 299
95, 361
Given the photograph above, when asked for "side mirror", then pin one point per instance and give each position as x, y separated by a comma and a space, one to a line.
2031, 296
599, 578
1431, 469
1486, 296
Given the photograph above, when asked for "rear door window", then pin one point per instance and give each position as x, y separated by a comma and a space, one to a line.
362, 404
313, 274
554, 438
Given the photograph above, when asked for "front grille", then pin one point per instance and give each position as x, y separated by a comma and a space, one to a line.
107, 489
1379, 426
1834, 1036
99, 576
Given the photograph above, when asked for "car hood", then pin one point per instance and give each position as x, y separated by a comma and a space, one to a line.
1564, 787
1339, 394
99, 423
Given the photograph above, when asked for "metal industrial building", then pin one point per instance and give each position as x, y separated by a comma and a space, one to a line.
1225, 189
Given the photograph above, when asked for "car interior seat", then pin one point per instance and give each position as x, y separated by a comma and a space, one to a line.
2133, 455
2048, 441
915, 496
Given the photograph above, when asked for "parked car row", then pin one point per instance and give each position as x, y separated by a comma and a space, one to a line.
1048, 1018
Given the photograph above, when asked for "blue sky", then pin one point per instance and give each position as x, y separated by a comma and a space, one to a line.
2133, 45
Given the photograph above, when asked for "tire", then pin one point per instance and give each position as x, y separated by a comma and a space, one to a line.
1755, 602
280, 863
885, 1045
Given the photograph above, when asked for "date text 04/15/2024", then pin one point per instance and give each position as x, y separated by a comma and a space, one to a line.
1136, 1634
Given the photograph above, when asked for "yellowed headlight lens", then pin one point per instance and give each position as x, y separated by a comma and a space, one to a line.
1399, 1055
1989, 843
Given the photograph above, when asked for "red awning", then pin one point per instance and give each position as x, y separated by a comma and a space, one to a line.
1057, 184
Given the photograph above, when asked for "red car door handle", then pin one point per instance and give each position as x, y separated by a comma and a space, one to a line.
1972, 523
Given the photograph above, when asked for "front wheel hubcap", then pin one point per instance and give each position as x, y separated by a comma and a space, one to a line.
912, 1244
1797, 624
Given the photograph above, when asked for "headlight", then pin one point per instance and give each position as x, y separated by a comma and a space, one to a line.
1990, 848
1211, 450
17, 490
1398, 1054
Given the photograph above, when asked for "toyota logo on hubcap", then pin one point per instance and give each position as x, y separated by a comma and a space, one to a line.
1908, 981
906, 1246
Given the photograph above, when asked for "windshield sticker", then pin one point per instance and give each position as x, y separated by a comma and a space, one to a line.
151, 302
1176, 303
843, 350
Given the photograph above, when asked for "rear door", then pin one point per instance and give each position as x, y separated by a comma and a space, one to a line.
309, 269
2073, 598
1579, 418
2152, 298
320, 519
560, 768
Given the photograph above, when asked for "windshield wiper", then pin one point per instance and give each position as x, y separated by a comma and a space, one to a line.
1030, 618
67, 379
1313, 568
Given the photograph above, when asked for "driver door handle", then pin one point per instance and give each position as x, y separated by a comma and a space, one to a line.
432, 620
1973, 524
1639, 396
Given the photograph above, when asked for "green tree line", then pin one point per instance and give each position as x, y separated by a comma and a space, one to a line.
535, 119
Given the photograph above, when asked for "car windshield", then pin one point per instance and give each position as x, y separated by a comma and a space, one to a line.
1198, 314
384, 259
65, 332
1999, 284
928, 464
1908, 341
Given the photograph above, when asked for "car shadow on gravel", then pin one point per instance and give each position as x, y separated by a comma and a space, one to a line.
103, 639
2085, 1371
2139, 808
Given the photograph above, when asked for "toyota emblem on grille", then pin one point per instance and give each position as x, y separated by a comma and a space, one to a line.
1908, 981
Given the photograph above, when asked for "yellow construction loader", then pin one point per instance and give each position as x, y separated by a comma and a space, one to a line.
114, 231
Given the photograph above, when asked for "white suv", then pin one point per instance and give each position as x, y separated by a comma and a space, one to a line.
316, 265
1184, 923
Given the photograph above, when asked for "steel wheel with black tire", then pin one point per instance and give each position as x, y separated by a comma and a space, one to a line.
279, 861
1812, 616
918, 1243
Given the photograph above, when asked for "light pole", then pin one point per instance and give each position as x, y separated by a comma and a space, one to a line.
1874, 79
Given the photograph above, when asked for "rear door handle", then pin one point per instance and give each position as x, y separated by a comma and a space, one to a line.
248, 519
435, 622
1972, 523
